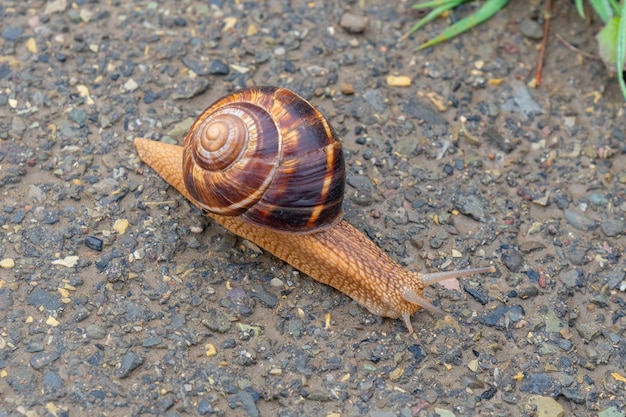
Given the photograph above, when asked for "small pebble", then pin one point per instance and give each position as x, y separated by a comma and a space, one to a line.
290, 67
613, 227
295, 328
614, 277
261, 57
376, 99
566, 345
85, 15
130, 362
570, 278
531, 29
6, 302
189, 88
277, 283
94, 243
528, 292
531, 246
11, 33
516, 313
598, 199
442, 412
245, 358
217, 321
513, 260
579, 220
18, 216
546, 406
79, 116
540, 384
52, 386
612, 412
562, 200
353, 23
41, 359
120, 226
205, 408
40, 297
265, 296
180, 21
181, 128
577, 254
131, 85
398, 80
218, 67
68, 261
151, 341
55, 6
493, 317
318, 395
346, 89
210, 350
522, 102
416, 351
95, 332
196, 229
7, 263
36, 194
150, 97
51, 321
588, 330
80, 314
470, 205
478, 293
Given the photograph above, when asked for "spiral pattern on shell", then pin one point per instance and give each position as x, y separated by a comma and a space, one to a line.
268, 155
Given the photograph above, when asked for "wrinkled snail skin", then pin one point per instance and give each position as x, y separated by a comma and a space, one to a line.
335, 254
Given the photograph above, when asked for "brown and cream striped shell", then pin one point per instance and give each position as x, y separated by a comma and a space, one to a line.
269, 156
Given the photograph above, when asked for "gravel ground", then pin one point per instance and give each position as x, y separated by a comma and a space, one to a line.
119, 298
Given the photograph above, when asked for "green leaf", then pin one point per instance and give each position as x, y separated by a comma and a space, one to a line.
621, 49
612, 46
485, 12
580, 8
615, 6
438, 3
607, 42
602, 9
440, 7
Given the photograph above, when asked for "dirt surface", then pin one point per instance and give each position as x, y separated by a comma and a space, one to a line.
117, 297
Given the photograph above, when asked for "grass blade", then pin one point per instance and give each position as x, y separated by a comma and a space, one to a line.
433, 14
485, 12
602, 9
580, 8
621, 49
437, 3
428, 18
616, 7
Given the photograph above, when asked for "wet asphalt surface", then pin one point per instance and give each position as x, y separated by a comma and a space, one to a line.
117, 297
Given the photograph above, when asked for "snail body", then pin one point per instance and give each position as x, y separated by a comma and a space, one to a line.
287, 196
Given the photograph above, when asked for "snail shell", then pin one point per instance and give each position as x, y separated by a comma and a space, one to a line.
269, 156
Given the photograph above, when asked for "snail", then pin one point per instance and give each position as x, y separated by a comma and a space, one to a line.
283, 174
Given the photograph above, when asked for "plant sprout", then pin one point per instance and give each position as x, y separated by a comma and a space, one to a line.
611, 39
